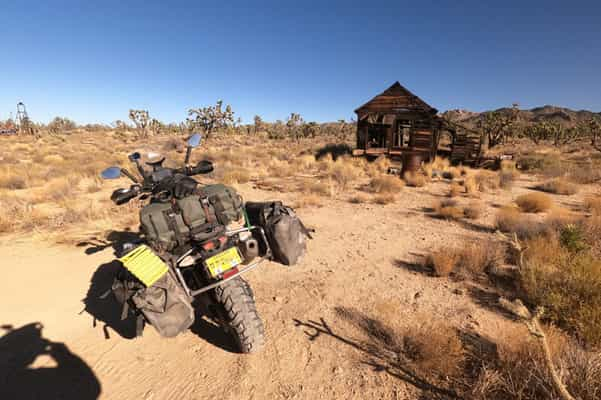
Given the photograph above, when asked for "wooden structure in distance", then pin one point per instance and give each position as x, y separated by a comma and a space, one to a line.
397, 122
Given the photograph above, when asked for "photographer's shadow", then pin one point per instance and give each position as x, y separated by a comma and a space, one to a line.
69, 378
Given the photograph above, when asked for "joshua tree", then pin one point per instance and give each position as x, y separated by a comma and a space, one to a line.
497, 125
258, 123
294, 123
140, 118
60, 124
593, 126
211, 118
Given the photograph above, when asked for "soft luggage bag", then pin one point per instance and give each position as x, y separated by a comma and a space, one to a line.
285, 232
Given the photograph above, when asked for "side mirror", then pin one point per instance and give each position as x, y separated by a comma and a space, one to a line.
111, 173
134, 156
194, 140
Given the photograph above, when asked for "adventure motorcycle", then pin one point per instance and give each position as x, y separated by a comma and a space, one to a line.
198, 241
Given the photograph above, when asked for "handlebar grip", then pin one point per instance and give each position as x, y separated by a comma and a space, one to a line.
122, 196
203, 167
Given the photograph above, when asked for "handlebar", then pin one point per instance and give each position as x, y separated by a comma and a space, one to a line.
153, 182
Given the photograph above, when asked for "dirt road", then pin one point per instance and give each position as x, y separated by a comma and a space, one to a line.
324, 318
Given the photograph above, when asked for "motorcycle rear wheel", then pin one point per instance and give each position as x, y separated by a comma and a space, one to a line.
239, 312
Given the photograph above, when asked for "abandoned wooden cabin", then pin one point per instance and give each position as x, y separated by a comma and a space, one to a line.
397, 123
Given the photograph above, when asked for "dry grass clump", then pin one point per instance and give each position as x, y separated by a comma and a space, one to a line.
344, 173
434, 349
455, 189
236, 175
384, 198
473, 211
448, 209
415, 179
378, 167
321, 188
487, 180
280, 169
517, 369
558, 186
593, 205
358, 198
12, 179
308, 200
385, 184
442, 261
534, 202
509, 219
470, 260
561, 273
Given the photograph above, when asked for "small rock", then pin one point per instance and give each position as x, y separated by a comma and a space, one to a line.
459, 292
277, 299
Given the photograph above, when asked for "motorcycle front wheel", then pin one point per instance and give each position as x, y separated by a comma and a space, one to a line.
237, 307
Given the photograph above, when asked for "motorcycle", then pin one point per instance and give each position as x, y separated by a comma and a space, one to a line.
206, 261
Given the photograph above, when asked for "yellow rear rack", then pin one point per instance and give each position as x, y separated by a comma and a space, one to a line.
144, 265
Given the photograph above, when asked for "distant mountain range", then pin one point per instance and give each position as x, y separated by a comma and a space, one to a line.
562, 115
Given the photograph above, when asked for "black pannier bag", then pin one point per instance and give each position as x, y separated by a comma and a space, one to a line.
164, 305
285, 232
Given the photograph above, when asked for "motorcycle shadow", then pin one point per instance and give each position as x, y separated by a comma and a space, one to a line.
214, 334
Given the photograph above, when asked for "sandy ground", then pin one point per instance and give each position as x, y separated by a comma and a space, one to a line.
360, 268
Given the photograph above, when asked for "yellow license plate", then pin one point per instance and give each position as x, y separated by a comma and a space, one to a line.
144, 265
224, 261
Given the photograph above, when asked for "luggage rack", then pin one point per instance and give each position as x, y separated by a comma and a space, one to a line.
247, 268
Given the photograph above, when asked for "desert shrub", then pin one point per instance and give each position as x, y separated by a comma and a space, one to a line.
534, 202
448, 209
378, 167
509, 219
386, 184
487, 180
442, 261
415, 179
94, 187
506, 179
593, 205
322, 188
518, 368
236, 175
471, 186
584, 174
548, 164
384, 198
11, 180
476, 258
473, 211
434, 349
558, 186
566, 284
455, 189
591, 228
571, 237
343, 174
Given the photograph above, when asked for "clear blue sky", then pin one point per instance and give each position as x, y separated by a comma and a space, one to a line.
93, 60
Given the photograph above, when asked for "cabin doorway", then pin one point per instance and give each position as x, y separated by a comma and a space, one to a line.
376, 136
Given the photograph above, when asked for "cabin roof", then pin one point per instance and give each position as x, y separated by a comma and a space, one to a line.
395, 99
